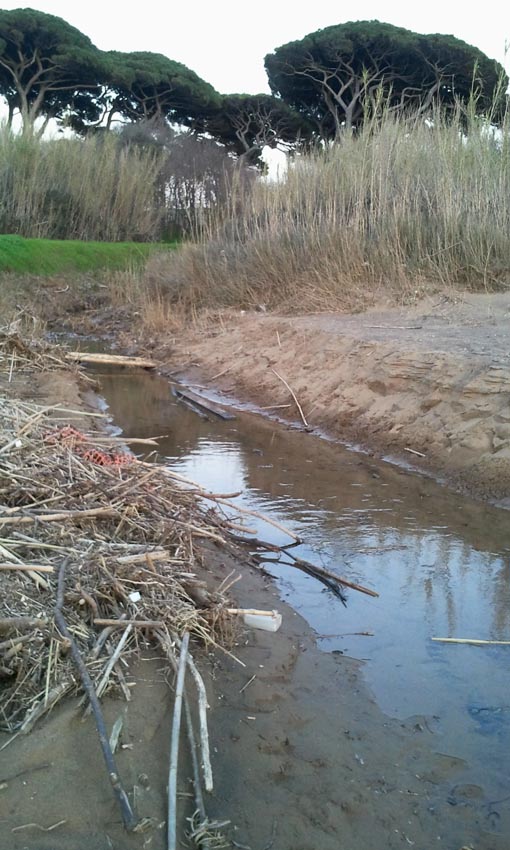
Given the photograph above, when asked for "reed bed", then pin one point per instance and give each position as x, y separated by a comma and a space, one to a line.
402, 207
92, 189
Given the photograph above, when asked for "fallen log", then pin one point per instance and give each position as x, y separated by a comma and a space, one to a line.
110, 359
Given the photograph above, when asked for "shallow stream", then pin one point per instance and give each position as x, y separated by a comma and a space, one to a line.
440, 562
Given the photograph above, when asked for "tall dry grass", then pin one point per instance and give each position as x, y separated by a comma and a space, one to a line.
92, 189
403, 206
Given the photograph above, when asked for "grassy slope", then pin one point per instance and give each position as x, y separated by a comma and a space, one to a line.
48, 257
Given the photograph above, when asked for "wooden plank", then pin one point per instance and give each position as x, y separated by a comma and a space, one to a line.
202, 403
110, 359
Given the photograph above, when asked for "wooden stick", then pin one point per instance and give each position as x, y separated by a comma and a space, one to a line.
293, 394
250, 611
199, 799
142, 441
14, 641
274, 406
141, 557
174, 748
76, 412
114, 359
320, 571
61, 517
414, 452
396, 327
250, 512
200, 532
202, 715
103, 684
219, 374
40, 708
128, 816
474, 641
203, 494
40, 568
142, 624
8, 624
248, 683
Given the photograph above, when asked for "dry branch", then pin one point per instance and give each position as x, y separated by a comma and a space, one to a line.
128, 817
142, 624
8, 624
59, 517
174, 747
293, 394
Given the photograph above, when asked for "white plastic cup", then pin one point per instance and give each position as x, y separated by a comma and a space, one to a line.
266, 622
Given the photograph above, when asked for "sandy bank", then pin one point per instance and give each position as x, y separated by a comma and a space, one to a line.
433, 379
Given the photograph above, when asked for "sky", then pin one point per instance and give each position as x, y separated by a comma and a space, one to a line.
225, 41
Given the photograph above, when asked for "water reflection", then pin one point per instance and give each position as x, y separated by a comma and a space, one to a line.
441, 563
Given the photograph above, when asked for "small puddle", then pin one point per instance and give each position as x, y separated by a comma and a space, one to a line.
440, 562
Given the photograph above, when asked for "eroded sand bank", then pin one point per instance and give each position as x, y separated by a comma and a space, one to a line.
430, 384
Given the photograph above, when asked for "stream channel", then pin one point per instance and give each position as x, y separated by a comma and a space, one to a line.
440, 562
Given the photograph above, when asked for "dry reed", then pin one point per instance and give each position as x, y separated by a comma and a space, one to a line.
92, 189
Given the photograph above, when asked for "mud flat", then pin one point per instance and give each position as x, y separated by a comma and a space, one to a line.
428, 384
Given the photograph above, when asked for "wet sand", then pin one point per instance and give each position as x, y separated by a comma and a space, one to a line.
302, 758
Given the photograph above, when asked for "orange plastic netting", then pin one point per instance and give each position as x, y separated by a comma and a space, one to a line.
70, 435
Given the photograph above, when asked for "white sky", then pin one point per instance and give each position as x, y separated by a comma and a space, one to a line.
225, 41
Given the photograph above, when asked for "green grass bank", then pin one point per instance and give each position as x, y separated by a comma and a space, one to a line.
46, 257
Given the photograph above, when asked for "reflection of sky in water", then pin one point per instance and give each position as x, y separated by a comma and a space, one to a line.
440, 563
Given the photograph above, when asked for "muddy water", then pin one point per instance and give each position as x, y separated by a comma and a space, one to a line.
440, 562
